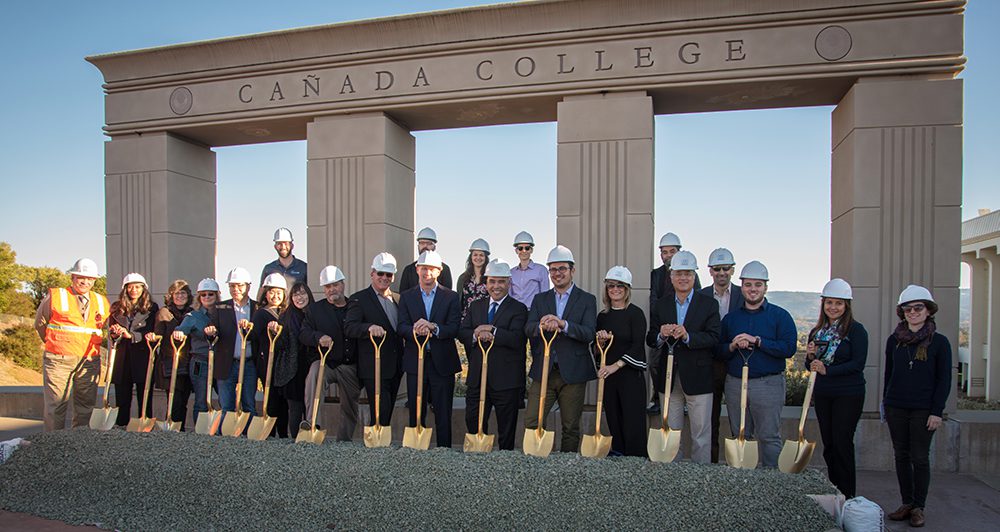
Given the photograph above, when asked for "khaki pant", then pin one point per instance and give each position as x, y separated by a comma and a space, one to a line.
64, 376
699, 413
346, 376
570, 397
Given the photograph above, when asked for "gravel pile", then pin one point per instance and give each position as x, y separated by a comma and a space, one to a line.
184, 481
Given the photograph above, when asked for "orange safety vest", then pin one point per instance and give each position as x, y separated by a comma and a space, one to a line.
68, 332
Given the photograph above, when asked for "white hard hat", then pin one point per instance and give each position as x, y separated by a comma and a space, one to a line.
384, 262
560, 253
524, 237
719, 257
134, 278
753, 270
914, 293
670, 239
684, 261
837, 288
275, 280
480, 245
619, 273
427, 234
330, 275
208, 285
238, 275
497, 268
283, 235
430, 258
85, 268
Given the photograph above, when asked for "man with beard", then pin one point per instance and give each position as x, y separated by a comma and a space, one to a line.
426, 241
286, 264
761, 336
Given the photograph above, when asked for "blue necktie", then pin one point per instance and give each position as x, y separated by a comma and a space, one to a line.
493, 311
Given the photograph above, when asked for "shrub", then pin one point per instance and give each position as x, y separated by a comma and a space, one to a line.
20, 344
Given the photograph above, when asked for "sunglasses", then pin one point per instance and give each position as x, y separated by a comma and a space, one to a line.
559, 269
914, 308
720, 269
523, 248
206, 295
384, 274
614, 285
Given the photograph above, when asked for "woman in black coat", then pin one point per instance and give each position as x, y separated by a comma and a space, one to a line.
837, 350
917, 384
292, 359
131, 320
273, 302
176, 305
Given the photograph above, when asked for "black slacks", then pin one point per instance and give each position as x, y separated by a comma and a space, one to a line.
838, 419
132, 376
625, 407
718, 391
911, 445
440, 390
506, 403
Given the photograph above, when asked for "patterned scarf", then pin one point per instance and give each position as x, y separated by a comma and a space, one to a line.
904, 336
831, 335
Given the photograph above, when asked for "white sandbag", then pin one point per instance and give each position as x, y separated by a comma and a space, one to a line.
7, 448
862, 515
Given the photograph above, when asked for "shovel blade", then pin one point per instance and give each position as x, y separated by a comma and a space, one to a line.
260, 427
208, 422
663, 444
795, 456
310, 434
417, 438
169, 426
378, 436
741, 454
536, 444
103, 418
234, 423
478, 443
596, 446
141, 424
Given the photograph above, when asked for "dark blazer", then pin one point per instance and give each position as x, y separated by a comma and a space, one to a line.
692, 361
440, 355
576, 364
363, 311
660, 285
322, 320
735, 295
409, 278
223, 317
508, 354
135, 350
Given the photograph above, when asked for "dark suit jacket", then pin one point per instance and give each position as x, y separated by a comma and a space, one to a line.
409, 278
692, 361
363, 311
223, 317
322, 320
735, 295
505, 369
660, 285
440, 354
576, 365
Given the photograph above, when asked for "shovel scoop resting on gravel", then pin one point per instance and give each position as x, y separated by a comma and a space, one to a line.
480, 442
168, 425
418, 437
234, 422
598, 445
538, 441
261, 426
377, 435
741, 453
143, 423
664, 442
310, 432
795, 455
208, 421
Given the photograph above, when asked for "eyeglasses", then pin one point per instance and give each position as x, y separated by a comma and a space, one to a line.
720, 269
614, 286
207, 294
523, 248
560, 269
919, 307
384, 274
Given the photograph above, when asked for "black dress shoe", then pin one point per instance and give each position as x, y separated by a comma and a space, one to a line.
917, 517
901, 513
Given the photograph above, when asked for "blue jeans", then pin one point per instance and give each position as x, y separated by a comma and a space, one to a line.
198, 370
227, 388
765, 397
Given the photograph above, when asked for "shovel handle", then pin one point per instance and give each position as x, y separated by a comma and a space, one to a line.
600, 383
420, 374
805, 405
547, 343
274, 336
210, 372
378, 375
482, 383
173, 376
319, 380
153, 348
668, 385
271, 337
107, 377
243, 361
743, 398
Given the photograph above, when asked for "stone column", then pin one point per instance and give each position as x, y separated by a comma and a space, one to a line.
992, 340
896, 203
604, 197
360, 194
979, 289
160, 210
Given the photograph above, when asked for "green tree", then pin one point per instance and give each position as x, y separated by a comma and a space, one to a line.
40, 278
10, 279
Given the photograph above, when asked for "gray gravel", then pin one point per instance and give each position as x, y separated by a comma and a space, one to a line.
184, 481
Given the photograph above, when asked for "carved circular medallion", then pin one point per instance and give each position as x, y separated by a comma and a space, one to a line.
181, 100
833, 43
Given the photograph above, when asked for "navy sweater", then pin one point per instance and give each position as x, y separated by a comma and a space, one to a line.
776, 329
923, 386
845, 375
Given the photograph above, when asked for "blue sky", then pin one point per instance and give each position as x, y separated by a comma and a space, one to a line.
52, 141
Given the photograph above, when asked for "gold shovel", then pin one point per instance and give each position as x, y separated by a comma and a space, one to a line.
168, 425
260, 426
104, 418
208, 422
740, 453
234, 422
598, 445
377, 435
538, 441
311, 433
664, 442
143, 423
418, 437
795, 455
480, 442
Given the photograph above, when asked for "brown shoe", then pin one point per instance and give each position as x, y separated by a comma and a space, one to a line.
901, 513
917, 517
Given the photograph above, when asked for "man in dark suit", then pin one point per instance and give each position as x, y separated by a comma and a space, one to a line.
374, 311
689, 322
431, 310
572, 312
721, 265
426, 241
225, 321
499, 320
660, 286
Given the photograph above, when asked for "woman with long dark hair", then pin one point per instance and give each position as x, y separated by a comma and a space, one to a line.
291, 359
131, 320
472, 283
273, 303
176, 305
917, 384
836, 352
